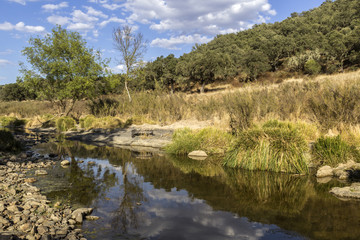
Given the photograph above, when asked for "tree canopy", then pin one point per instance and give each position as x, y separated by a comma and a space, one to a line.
63, 69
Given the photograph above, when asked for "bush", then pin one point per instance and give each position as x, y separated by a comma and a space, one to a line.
90, 122
312, 67
104, 107
333, 150
11, 122
210, 140
275, 146
8, 143
65, 124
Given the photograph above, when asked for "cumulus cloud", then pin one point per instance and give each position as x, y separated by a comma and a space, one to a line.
110, 20
22, 2
20, 26
111, 7
60, 20
210, 18
172, 42
4, 62
96, 13
53, 7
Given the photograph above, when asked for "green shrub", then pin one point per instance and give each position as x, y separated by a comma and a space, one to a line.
90, 122
333, 150
65, 124
275, 146
312, 67
104, 107
8, 143
11, 122
210, 140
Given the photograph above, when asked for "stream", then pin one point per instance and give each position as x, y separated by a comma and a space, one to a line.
155, 196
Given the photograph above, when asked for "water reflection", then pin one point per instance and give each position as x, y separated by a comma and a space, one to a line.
141, 197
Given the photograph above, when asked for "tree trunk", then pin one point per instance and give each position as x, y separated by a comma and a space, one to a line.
202, 89
127, 90
172, 88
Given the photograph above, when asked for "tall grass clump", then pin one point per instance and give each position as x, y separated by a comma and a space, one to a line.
210, 140
274, 146
65, 124
109, 122
8, 143
333, 150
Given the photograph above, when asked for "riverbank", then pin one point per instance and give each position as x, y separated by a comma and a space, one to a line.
25, 213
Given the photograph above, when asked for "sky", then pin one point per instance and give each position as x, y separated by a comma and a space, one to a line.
169, 26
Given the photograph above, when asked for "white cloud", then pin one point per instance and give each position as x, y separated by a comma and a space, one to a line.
7, 52
172, 42
205, 19
110, 20
22, 2
96, 13
4, 62
54, 19
20, 26
111, 7
80, 26
53, 7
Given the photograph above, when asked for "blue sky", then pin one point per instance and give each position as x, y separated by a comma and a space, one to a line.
170, 26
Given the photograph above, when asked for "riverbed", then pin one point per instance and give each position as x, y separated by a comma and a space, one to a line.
145, 195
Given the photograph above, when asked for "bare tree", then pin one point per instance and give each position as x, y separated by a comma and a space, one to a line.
131, 47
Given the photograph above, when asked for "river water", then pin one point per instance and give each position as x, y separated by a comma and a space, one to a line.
152, 196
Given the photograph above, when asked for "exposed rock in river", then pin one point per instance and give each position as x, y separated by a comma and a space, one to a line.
343, 171
352, 191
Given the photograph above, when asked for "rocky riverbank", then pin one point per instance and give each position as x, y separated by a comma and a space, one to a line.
24, 212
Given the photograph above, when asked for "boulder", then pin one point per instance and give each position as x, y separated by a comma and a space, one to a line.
78, 214
325, 171
352, 191
198, 155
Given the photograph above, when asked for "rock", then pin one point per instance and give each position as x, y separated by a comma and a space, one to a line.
198, 155
92, 218
352, 191
78, 214
65, 163
325, 171
30, 180
13, 208
42, 229
91, 163
41, 172
25, 227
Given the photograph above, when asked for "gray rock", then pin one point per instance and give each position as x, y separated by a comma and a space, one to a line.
41, 172
42, 229
25, 227
352, 191
325, 171
78, 214
198, 155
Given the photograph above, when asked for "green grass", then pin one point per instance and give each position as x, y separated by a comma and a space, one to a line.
333, 150
210, 140
64, 124
274, 146
90, 122
11, 122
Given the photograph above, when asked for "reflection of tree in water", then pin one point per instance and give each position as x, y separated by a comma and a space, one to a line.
80, 184
126, 215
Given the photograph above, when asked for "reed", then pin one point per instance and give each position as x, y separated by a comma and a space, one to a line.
274, 146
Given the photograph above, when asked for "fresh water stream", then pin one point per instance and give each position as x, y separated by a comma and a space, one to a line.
140, 196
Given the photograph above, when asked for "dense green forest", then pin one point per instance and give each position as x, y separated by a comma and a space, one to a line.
321, 40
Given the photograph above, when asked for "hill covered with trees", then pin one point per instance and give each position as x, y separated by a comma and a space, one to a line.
321, 40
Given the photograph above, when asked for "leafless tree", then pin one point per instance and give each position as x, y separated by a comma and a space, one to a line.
131, 47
